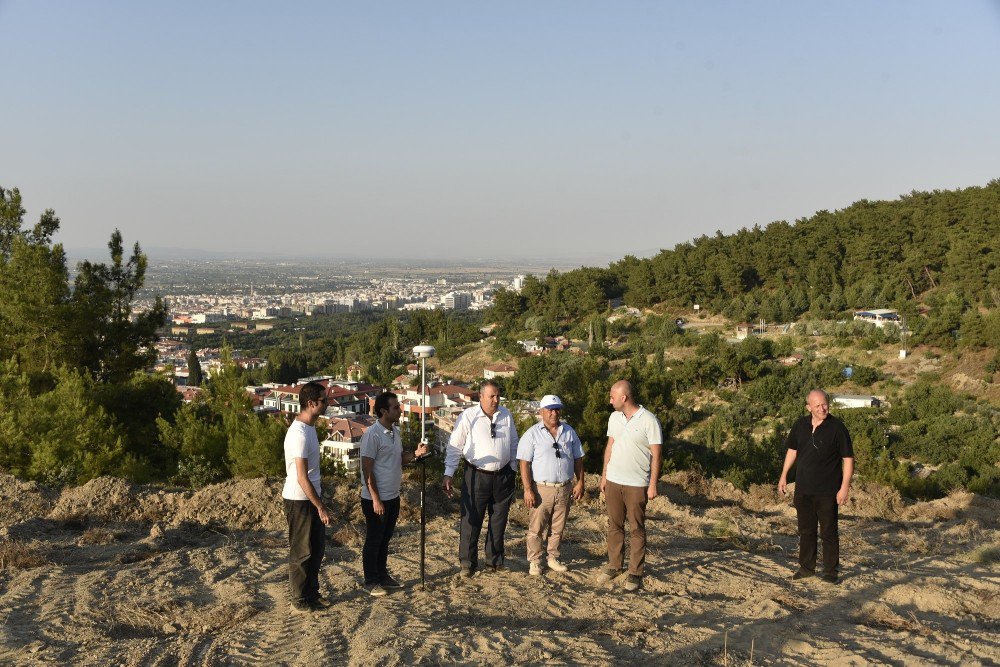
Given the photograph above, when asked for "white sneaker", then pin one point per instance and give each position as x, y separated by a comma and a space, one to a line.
556, 566
535, 569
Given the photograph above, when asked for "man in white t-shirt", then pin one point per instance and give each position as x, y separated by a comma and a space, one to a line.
382, 459
303, 508
631, 468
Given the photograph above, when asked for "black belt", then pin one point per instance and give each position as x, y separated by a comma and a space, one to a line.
486, 472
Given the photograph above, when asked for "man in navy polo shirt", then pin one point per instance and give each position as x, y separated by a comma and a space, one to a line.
821, 447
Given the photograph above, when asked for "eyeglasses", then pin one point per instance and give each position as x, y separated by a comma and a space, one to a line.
813, 439
555, 446
493, 429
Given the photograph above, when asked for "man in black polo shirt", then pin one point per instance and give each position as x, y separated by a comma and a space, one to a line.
822, 447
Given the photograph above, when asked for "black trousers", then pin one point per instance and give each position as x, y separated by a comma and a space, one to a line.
379, 530
822, 509
484, 495
306, 535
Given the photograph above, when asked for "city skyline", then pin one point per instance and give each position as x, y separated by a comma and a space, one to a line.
578, 132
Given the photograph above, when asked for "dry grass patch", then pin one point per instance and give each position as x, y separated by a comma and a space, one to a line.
880, 616
912, 542
984, 555
20, 556
96, 535
347, 536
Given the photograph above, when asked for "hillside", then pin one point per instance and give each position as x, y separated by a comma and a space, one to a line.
110, 573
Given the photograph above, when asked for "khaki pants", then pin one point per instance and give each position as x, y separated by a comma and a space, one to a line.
631, 500
550, 514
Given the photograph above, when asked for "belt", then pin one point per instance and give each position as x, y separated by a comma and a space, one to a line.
486, 472
556, 484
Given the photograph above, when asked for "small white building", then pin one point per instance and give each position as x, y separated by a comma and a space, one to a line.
343, 441
878, 316
499, 371
849, 401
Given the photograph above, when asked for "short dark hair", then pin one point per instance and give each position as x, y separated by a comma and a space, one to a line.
490, 383
382, 403
311, 391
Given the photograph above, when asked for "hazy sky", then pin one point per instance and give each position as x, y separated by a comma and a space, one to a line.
474, 129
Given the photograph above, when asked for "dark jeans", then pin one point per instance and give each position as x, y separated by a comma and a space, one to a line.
810, 510
379, 529
306, 535
484, 494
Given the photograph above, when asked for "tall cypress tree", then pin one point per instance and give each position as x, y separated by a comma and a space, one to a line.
194, 369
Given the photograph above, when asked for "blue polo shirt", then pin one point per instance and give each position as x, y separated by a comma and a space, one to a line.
535, 447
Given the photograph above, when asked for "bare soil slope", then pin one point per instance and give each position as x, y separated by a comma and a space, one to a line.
111, 573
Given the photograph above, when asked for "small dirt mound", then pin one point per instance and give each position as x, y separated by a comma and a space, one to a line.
242, 504
957, 505
19, 500
107, 498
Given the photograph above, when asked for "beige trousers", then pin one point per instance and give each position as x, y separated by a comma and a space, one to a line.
548, 517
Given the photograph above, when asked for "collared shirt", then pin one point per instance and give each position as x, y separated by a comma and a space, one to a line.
473, 441
631, 457
536, 447
819, 463
385, 448
301, 442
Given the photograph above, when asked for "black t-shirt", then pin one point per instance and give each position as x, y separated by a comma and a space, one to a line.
818, 465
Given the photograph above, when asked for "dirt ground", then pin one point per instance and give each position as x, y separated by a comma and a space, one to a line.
110, 573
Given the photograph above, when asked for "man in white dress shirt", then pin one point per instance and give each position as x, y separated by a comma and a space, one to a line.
485, 438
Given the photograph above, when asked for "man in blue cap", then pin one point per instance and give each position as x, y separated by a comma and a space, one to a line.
551, 456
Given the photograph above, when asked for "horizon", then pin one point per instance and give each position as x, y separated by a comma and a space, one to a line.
575, 132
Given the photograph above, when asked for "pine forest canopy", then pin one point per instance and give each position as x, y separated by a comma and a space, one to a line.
885, 254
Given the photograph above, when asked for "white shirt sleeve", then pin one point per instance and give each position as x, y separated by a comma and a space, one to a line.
654, 435
456, 444
295, 444
526, 447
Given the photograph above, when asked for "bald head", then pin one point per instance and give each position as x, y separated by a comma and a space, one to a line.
818, 405
621, 397
623, 387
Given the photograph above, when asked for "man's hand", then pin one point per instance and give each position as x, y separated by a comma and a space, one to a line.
378, 506
651, 491
447, 485
578, 490
420, 451
604, 483
531, 499
783, 486
842, 496
324, 516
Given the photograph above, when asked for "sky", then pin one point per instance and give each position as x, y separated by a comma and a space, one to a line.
466, 130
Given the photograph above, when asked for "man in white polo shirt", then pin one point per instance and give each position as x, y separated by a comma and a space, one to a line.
304, 510
382, 459
551, 455
631, 468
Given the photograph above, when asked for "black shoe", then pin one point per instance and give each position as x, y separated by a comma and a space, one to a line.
301, 607
803, 574
319, 604
389, 583
499, 567
830, 578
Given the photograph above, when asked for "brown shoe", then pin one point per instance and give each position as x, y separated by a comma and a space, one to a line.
605, 576
633, 583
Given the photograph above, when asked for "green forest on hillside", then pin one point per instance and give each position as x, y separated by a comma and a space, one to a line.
79, 402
